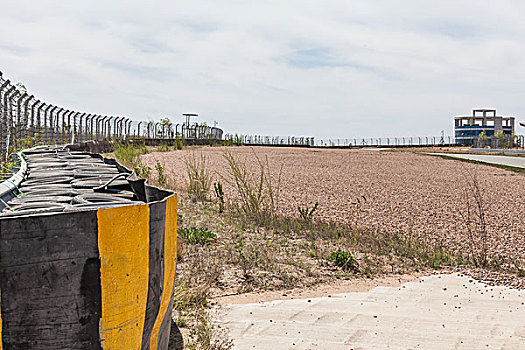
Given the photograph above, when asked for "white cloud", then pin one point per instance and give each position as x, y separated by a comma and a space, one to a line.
321, 68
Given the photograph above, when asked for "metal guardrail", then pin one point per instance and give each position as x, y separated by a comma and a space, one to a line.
9, 187
26, 120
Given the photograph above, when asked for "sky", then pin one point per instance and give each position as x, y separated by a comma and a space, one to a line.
323, 68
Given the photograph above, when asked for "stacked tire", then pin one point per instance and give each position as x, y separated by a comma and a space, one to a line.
58, 180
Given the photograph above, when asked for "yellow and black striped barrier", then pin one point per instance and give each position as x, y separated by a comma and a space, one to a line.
99, 279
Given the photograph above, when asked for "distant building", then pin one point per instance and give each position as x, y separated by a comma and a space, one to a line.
467, 128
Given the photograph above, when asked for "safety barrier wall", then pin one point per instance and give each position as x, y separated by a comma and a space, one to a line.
92, 279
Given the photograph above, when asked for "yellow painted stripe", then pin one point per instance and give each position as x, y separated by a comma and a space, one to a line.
170, 266
123, 242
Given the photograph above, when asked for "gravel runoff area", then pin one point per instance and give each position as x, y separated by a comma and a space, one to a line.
438, 312
410, 193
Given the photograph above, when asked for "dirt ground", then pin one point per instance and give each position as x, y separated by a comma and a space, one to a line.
405, 192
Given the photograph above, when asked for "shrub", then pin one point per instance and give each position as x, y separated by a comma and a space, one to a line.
258, 193
161, 177
344, 260
163, 147
129, 155
306, 213
178, 144
219, 193
196, 235
198, 175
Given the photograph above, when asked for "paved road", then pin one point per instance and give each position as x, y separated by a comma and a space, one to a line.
440, 312
518, 162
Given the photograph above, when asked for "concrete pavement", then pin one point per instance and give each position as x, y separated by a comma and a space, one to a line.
438, 312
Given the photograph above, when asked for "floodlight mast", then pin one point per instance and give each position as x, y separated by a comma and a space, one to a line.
186, 124
188, 116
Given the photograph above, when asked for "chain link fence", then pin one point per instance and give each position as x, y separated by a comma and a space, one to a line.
26, 121
424, 141
501, 141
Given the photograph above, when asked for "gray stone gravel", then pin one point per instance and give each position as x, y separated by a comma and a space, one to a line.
405, 192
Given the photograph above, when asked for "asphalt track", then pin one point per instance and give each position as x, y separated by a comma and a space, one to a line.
517, 162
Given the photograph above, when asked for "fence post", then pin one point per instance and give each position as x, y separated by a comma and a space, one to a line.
45, 137
138, 129
69, 126
31, 131
17, 126
81, 129
97, 126
56, 122
74, 135
90, 131
23, 131
119, 130
39, 121
121, 125
3, 113
87, 131
105, 128
128, 130
6, 125
63, 126
11, 128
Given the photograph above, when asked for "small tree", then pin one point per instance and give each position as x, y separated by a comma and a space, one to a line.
167, 126
482, 139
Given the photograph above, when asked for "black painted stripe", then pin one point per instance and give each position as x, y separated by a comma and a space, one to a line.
165, 328
156, 269
50, 282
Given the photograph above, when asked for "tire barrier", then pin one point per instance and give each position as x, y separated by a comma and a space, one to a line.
91, 267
